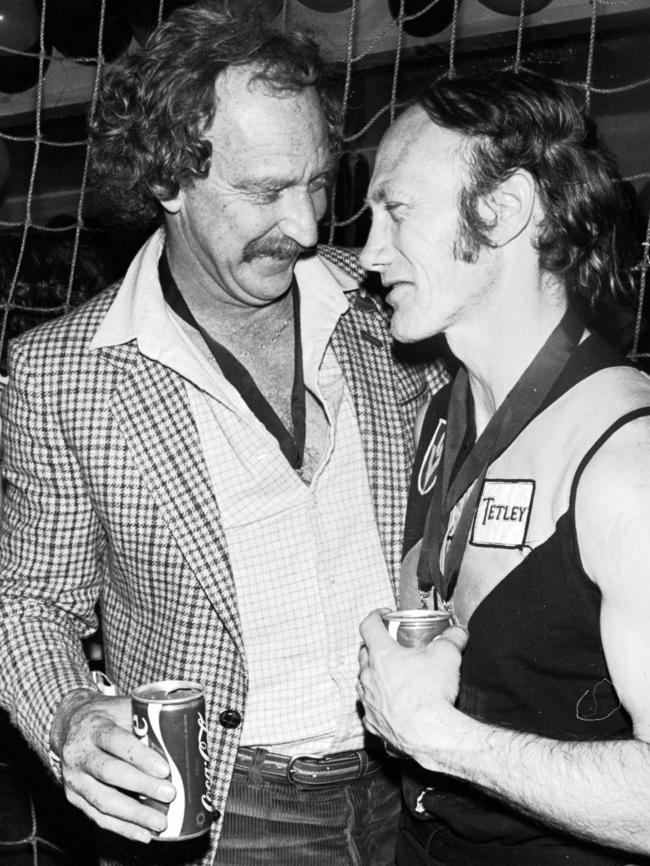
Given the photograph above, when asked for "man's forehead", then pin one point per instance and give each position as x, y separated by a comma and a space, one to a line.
263, 141
415, 135
255, 120
413, 146
236, 88
242, 97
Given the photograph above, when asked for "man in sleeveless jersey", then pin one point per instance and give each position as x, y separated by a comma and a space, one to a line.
526, 728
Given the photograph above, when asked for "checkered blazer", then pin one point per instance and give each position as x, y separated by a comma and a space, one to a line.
108, 497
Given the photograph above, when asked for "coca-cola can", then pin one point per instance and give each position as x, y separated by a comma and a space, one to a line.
416, 628
169, 716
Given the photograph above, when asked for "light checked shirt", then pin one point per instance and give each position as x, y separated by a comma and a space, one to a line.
306, 558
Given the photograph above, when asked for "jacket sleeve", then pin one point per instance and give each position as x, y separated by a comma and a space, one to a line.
51, 546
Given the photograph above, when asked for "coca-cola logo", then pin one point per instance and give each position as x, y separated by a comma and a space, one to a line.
140, 726
203, 751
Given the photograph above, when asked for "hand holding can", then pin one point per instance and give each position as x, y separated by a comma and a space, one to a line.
414, 628
169, 716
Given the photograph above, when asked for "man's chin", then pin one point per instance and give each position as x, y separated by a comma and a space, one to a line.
404, 330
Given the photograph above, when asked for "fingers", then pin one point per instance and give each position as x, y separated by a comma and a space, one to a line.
125, 745
105, 725
372, 628
104, 751
113, 772
106, 769
456, 634
113, 810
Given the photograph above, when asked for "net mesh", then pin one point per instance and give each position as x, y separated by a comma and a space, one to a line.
359, 130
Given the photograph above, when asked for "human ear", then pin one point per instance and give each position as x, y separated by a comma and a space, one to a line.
509, 208
170, 201
171, 205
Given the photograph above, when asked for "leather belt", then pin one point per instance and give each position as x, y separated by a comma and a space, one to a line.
326, 772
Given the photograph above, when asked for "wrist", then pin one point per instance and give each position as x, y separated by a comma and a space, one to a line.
450, 745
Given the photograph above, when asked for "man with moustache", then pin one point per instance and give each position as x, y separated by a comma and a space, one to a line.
216, 451
527, 725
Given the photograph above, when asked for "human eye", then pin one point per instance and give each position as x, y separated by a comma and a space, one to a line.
395, 210
319, 183
262, 191
266, 196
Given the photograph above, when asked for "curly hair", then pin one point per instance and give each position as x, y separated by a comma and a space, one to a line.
157, 102
516, 120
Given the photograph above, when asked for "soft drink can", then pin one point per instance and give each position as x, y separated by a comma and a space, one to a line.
416, 628
169, 716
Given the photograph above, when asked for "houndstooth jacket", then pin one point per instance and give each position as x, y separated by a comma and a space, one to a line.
108, 498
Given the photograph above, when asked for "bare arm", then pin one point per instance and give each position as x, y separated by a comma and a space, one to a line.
599, 791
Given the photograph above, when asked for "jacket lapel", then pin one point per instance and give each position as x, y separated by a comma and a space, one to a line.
363, 348
151, 408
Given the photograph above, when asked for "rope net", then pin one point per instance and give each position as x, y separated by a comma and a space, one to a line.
26, 299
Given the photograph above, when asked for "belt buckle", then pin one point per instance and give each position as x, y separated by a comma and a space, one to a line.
328, 763
305, 784
289, 770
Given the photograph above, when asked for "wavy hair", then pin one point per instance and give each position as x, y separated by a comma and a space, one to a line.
157, 102
521, 120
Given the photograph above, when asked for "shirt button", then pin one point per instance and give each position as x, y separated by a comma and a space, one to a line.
230, 719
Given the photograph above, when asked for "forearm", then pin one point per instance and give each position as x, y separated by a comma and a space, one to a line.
42, 662
50, 545
599, 791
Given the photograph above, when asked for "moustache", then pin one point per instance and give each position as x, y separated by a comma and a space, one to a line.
283, 250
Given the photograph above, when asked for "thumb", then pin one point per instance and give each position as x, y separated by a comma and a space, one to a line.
372, 628
456, 634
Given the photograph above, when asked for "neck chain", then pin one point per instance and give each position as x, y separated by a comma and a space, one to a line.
265, 345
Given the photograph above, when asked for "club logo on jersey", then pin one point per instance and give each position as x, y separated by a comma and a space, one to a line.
503, 513
431, 460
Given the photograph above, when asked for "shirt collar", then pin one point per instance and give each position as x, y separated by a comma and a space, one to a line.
139, 311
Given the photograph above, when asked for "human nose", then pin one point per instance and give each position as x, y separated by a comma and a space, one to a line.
376, 254
300, 221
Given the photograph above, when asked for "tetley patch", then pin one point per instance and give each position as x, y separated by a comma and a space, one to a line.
503, 513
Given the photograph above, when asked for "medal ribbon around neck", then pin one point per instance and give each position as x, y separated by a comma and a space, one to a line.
292, 443
520, 406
